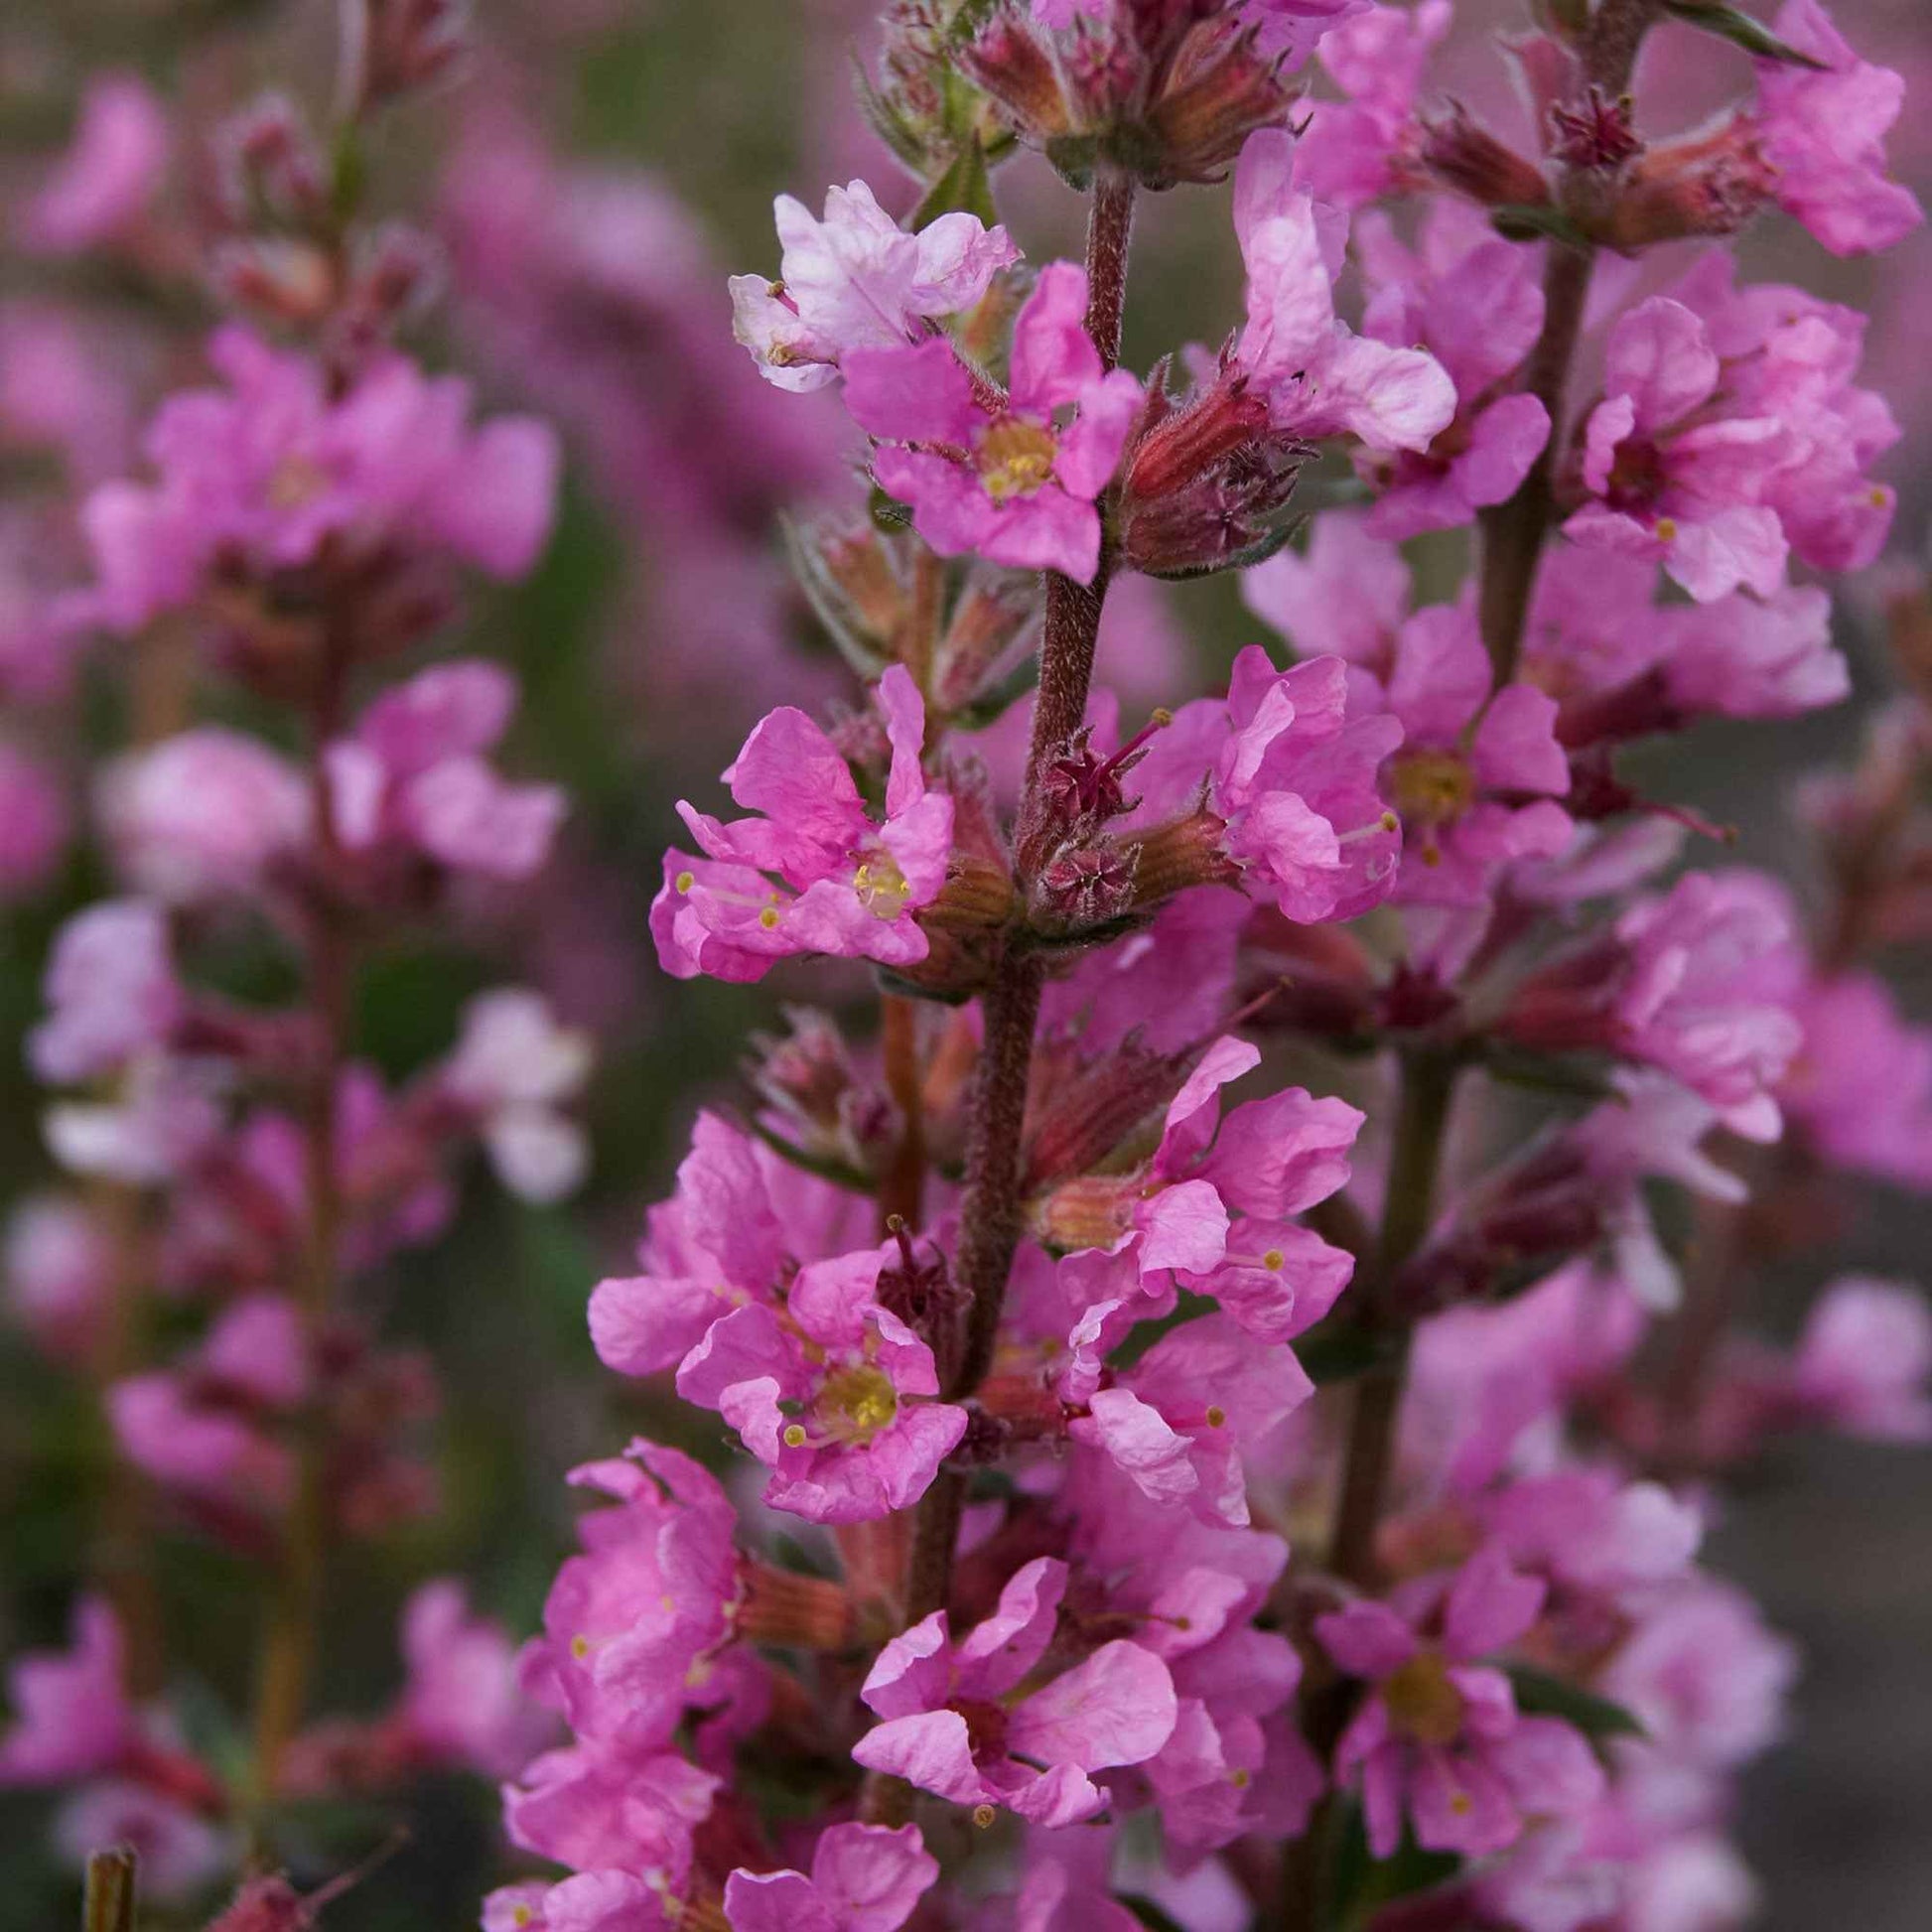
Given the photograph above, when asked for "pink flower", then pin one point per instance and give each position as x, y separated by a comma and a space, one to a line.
180, 1853
958, 1719
997, 474
111, 991
1171, 1215
71, 1717
60, 1265
513, 1067
263, 473
1177, 1423
1690, 982
1675, 472
202, 815
461, 1705
1439, 1738
1788, 357
1703, 1677
1476, 302
1357, 151
208, 1430
1289, 29
1860, 1088
741, 1220
858, 280
864, 1878
1292, 809
413, 778
832, 1392
850, 882
622, 1820
1862, 1362
1317, 378
631, 1622
1478, 769
107, 179
1824, 135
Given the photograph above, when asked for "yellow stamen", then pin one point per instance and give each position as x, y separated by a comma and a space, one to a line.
1015, 458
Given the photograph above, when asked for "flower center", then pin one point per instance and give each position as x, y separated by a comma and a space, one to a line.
1637, 477
1433, 789
1015, 458
855, 1404
1422, 1702
297, 481
985, 1728
881, 887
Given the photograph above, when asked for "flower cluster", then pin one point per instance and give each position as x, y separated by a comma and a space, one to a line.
1144, 1422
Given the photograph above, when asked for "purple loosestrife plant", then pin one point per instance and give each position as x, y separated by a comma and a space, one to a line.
1129, 1483
1134, 1519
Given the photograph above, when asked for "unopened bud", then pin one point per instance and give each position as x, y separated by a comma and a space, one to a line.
1186, 852
1218, 88
285, 281
268, 165
394, 46
1082, 889
1707, 187
1469, 159
790, 1611
1011, 63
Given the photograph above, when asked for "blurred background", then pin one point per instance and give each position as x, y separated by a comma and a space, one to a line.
593, 175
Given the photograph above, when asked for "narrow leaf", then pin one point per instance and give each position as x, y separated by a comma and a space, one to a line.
1741, 30
1539, 1695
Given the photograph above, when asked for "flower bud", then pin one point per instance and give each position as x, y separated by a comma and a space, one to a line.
1470, 160
394, 46
1709, 186
1083, 888
1217, 89
1012, 64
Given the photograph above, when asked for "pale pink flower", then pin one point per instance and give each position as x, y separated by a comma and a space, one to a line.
107, 179
413, 777
858, 280
1860, 1087
513, 1068
1864, 1359
202, 815
1358, 150
110, 989
72, 1717
461, 1705
1317, 377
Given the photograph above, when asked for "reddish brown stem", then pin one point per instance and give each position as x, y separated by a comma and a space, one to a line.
286, 1662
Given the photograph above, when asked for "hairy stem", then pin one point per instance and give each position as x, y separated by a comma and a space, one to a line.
286, 1662
990, 1212
990, 1209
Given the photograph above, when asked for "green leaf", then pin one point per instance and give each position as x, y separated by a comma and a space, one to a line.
1572, 1075
1360, 1885
1338, 1356
1537, 222
1149, 1913
1741, 30
965, 186
1539, 1695
887, 512
1258, 552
